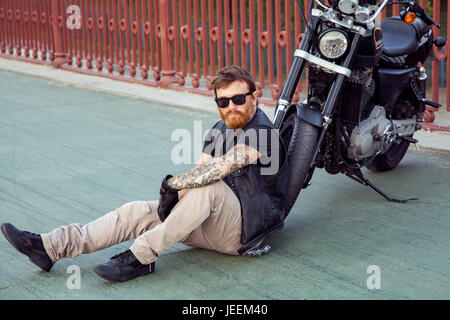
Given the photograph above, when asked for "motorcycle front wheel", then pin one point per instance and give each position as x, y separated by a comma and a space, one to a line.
390, 159
300, 139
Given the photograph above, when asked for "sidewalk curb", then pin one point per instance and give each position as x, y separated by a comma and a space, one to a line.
428, 141
117, 87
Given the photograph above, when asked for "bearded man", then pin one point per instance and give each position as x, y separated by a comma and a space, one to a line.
228, 202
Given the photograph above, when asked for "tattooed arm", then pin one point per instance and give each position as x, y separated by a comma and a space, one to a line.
204, 157
214, 169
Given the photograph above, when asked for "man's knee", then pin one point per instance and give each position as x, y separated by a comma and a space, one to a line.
133, 210
214, 191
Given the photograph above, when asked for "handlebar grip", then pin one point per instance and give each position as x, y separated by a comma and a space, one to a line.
431, 103
428, 19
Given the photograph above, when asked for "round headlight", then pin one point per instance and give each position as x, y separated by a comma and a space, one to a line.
332, 44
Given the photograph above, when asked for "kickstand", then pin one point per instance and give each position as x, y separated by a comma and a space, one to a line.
358, 176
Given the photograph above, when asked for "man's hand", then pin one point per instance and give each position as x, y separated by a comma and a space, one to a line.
168, 198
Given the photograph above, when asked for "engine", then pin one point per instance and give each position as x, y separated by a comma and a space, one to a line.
372, 136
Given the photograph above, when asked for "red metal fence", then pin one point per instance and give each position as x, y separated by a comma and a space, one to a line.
178, 44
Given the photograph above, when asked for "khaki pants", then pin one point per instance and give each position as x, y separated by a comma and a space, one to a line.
207, 217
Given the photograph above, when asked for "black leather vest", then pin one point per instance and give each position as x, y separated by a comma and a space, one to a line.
261, 195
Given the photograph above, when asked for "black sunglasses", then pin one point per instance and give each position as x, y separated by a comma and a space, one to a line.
238, 99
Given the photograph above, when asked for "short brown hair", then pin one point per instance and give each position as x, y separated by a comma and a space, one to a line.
230, 74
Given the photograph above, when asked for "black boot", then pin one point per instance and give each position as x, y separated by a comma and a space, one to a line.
30, 244
123, 267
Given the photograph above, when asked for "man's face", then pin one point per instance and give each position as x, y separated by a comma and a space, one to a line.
235, 116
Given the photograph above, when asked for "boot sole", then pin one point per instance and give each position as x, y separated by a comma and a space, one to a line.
6, 235
138, 273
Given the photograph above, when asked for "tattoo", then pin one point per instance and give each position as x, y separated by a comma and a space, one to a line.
201, 175
216, 169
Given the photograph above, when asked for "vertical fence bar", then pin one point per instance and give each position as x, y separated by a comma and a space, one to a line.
20, 30
26, 27
133, 30
35, 29
228, 32
183, 37
158, 43
121, 34
235, 33
134, 38
110, 36
144, 36
116, 33
429, 114
262, 43
40, 20
167, 70
156, 64
67, 34
148, 38
244, 34
82, 36
289, 51
126, 13
85, 33
270, 62
5, 22
47, 27
278, 50
197, 39
52, 34
11, 28
139, 35
2, 30
16, 42
20, 26
220, 36
298, 38
423, 3
251, 35
16, 28
212, 39
203, 36
100, 9
395, 9
288, 38
8, 15
190, 42
174, 36
88, 35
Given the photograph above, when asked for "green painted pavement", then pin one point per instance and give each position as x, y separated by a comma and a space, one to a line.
70, 155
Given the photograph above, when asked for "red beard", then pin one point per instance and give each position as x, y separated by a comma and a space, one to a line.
235, 122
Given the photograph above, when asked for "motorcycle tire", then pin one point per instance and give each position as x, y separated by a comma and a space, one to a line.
390, 159
300, 139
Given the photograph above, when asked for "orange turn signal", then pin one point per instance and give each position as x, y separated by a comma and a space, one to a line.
409, 17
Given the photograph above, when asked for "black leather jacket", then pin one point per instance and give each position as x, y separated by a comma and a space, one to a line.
260, 194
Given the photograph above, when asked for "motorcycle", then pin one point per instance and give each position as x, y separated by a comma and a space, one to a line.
366, 90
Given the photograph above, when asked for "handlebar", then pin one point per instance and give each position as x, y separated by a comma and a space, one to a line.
425, 16
415, 7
